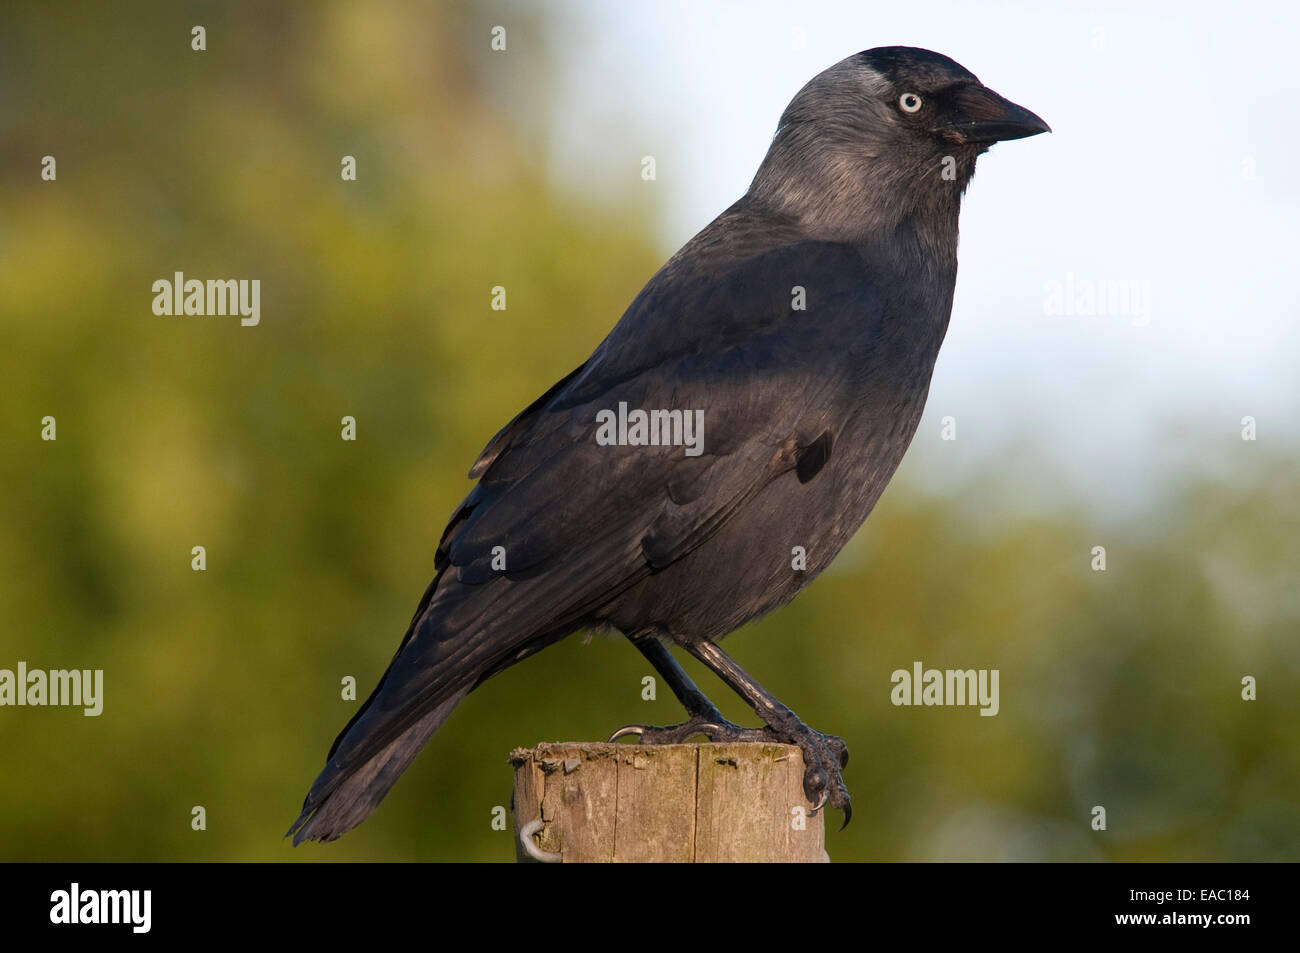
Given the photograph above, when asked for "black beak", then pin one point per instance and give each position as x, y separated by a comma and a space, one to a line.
980, 115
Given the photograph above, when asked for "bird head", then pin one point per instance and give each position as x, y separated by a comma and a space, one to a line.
886, 133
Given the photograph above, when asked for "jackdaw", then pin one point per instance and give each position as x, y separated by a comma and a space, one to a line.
800, 329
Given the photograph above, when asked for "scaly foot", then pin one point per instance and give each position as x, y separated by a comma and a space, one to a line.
824, 756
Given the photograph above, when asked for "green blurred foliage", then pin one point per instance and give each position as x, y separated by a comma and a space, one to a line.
223, 687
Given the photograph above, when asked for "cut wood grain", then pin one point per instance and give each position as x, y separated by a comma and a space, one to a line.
693, 803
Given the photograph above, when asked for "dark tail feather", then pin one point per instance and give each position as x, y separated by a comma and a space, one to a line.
342, 798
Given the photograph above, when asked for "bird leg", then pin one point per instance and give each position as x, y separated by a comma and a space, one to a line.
824, 755
705, 719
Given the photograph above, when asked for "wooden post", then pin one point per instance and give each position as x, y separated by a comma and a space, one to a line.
679, 803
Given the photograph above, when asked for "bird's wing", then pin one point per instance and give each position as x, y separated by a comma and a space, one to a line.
727, 342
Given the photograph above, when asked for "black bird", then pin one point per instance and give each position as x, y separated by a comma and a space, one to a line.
806, 412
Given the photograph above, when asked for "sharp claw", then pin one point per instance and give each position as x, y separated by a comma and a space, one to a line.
848, 814
820, 804
637, 730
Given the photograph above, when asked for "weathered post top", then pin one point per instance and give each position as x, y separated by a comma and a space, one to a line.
679, 803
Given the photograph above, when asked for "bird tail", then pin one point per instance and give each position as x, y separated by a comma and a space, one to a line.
341, 798
427, 678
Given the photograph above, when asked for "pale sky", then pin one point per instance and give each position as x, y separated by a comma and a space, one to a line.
1171, 164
